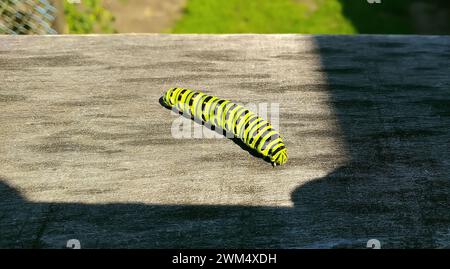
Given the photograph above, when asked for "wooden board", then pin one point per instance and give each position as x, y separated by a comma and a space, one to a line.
87, 151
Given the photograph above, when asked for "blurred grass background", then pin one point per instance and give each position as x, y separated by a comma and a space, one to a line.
315, 17
88, 16
264, 16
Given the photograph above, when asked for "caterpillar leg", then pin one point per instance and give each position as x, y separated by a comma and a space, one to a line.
280, 158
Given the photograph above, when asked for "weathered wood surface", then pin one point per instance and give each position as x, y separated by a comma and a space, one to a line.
86, 149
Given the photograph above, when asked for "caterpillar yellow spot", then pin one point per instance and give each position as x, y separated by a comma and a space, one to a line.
245, 125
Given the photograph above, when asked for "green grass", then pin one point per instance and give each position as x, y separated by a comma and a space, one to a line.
303, 16
88, 17
264, 16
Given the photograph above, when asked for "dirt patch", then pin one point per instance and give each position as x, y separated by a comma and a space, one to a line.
145, 16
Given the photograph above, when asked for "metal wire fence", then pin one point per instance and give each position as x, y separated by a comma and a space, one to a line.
26, 17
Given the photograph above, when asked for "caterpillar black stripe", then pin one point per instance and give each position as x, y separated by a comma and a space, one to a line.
254, 131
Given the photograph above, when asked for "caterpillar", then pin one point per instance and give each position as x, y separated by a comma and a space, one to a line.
245, 125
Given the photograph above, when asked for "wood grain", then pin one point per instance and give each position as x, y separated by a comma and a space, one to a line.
87, 152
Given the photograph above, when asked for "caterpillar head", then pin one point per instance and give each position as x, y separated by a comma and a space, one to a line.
280, 157
168, 97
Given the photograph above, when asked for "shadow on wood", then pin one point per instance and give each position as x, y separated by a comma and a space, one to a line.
394, 112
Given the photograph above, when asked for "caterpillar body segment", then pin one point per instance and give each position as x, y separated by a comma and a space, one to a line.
245, 125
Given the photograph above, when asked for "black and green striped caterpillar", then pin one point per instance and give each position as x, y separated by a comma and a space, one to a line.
245, 125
